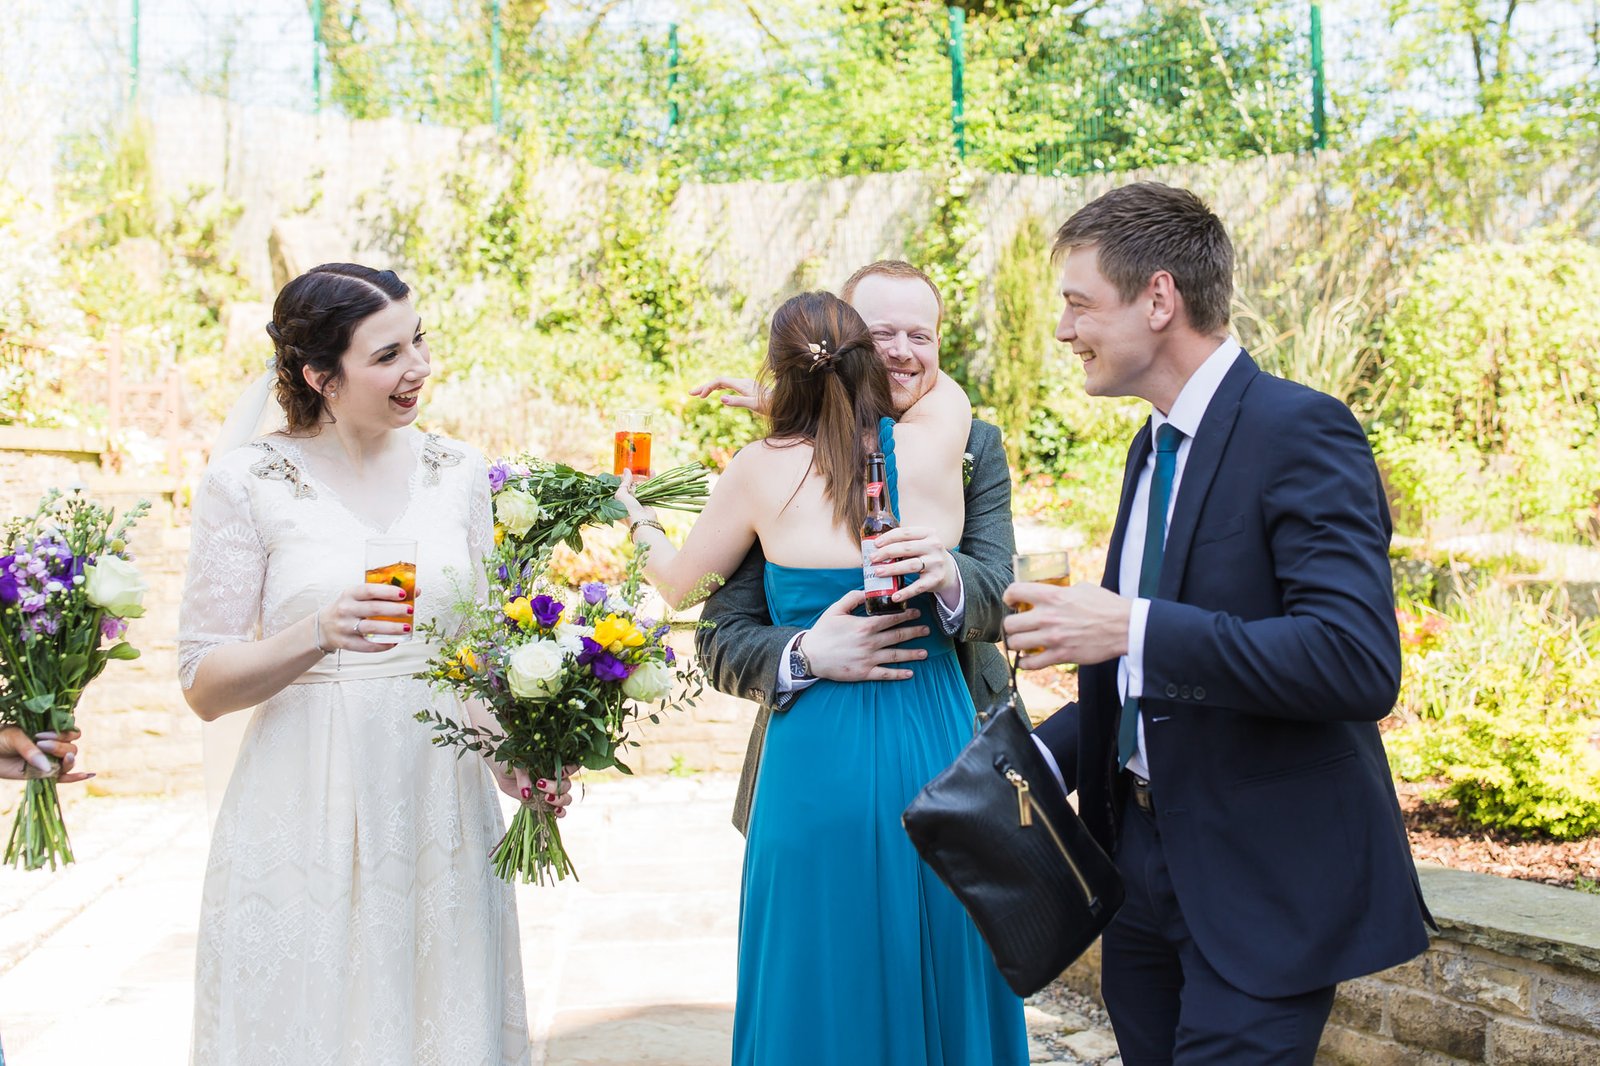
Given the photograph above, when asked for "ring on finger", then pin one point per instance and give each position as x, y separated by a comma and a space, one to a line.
356, 626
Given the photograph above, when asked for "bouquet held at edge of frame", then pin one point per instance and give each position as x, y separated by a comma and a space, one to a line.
67, 590
564, 672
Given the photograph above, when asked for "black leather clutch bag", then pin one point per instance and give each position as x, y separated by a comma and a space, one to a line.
997, 830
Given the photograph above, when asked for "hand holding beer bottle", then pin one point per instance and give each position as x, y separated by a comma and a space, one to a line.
880, 588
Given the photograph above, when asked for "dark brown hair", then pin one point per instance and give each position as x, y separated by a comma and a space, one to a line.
830, 388
892, 268
1148, 227
313, 320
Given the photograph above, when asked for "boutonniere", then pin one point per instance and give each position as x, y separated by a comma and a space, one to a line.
966, 469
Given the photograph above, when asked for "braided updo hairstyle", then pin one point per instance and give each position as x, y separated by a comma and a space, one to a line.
828, 387
312, 323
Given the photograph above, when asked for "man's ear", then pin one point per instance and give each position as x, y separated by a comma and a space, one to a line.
1165, 301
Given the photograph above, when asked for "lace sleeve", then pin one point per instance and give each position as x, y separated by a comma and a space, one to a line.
227, 569
480, 525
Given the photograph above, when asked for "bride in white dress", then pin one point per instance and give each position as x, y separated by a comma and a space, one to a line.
350, 914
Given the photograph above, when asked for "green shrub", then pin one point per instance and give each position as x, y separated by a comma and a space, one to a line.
1499, 704
1494, 351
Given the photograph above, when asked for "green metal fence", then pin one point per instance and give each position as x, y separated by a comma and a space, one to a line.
1045, 92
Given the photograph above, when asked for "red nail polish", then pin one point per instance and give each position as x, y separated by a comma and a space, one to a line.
549, 797
543, 784
402, 594
527, 793
406, 628
411, 610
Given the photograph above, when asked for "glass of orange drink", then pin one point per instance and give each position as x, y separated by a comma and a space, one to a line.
1047, 568
392, 561
632, 445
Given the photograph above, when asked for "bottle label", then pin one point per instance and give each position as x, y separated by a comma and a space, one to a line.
874, 489
877, 586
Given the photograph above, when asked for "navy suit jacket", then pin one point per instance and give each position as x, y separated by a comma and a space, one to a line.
1271, 652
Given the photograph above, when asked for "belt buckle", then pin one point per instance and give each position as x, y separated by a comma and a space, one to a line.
1141, 793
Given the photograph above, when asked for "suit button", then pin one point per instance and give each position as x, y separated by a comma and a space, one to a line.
1186, 692
1172, 692
1199, 693
972, 634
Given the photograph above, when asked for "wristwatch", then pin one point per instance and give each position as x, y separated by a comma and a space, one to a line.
799, 665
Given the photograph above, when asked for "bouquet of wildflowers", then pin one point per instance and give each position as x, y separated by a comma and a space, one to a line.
564, 673
539, 504
67, 591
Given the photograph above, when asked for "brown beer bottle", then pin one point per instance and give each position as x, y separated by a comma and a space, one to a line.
880, 519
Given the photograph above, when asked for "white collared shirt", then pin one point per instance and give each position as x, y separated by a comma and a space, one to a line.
1186, 414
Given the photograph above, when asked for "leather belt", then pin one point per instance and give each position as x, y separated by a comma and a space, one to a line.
1139, 792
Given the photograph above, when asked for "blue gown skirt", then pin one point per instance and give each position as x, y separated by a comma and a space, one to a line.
851, 951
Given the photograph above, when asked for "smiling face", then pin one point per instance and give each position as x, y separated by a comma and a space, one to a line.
381, 373
902, 314
1113, 338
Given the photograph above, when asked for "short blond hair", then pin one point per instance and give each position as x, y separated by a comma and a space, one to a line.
892, 268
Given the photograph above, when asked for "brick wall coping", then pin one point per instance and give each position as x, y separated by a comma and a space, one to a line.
1520, 918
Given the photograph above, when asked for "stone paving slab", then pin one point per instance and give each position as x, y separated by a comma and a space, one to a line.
633, 964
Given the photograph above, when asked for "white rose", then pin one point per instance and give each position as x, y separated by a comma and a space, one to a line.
114, 584
648, 683
516, 510
534, 670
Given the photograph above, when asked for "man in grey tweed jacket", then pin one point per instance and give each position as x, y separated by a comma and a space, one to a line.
746, 655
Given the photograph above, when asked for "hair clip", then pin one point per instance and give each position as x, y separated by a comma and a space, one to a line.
821, 359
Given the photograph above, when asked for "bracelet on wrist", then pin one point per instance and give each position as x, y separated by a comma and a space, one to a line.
651, 522
316, 631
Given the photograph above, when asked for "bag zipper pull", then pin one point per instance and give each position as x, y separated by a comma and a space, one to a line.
1024, 806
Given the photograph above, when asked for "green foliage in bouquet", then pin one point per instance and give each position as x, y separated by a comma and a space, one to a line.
540, 504
66, 592
1500, 698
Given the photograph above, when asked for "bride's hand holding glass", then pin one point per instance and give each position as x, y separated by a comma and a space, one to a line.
349, 622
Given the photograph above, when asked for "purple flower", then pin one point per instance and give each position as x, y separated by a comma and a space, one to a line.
672, 656
497, 476
8, 581
505, 575
608, 667
546, 611
591, 649
112, 628
595, 592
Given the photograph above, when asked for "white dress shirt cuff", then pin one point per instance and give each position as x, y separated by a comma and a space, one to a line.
1135, 657
950, 618
1050, 761
788, 684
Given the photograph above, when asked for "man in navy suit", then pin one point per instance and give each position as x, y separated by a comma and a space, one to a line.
1236, 659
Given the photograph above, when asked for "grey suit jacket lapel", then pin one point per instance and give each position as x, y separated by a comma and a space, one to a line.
1200, 469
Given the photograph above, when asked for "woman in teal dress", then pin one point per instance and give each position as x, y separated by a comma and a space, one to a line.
851, 951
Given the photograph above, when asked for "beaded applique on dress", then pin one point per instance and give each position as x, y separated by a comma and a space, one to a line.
275, 466
435, 457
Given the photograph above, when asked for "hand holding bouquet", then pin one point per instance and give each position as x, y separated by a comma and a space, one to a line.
539, 504
564, 675
67, 590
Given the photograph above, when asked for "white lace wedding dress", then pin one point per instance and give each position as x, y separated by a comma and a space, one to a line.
350, 914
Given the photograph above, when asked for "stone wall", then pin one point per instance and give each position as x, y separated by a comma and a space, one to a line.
1511, 979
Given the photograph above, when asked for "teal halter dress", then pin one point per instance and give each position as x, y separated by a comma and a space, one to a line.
851, 951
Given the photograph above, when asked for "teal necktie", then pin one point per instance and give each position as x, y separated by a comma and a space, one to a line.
1168, 438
